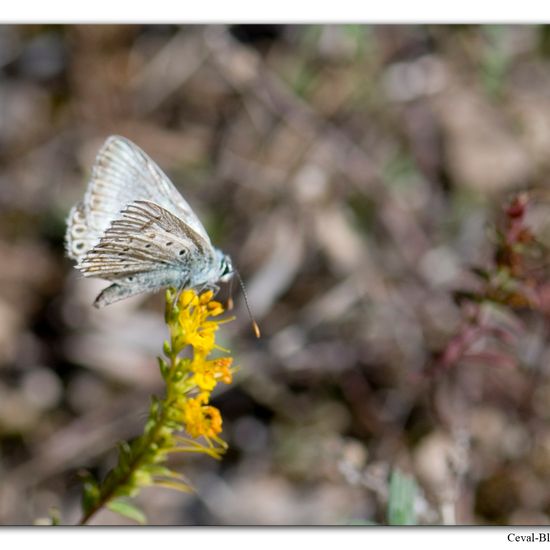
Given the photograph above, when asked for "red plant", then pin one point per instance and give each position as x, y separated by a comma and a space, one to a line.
490, 327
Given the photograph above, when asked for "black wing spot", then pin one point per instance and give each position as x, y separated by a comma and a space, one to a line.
169, 243
148, 245
182, 252
130, 279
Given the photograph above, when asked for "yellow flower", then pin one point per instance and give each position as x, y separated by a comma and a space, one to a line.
197, 328
207, 373
200, 419
195, 325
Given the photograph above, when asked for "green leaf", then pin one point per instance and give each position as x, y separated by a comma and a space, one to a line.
124, 454
128, 510
401, 499
164, 367
175, 485
55, 516
90, 494
158, 470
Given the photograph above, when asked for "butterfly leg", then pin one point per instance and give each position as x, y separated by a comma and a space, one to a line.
208, 286
214, 288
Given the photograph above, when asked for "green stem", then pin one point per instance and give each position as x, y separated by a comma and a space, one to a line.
108, 495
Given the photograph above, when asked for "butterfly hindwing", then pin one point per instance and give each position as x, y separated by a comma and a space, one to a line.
147, 238
77, 240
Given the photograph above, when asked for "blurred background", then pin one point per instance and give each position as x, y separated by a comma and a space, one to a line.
352, 173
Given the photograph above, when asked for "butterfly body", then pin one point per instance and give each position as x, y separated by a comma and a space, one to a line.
134, 229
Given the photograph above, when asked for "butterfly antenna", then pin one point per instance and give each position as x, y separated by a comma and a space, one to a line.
254, 324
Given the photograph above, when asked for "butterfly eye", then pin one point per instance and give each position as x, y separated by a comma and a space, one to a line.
226, 266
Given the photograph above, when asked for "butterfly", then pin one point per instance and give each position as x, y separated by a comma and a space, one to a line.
134, 229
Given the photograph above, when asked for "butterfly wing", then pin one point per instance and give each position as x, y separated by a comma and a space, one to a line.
78, 238
122, 174
147, 238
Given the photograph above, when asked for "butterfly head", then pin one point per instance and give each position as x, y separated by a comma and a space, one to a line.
225, 267
226, 272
